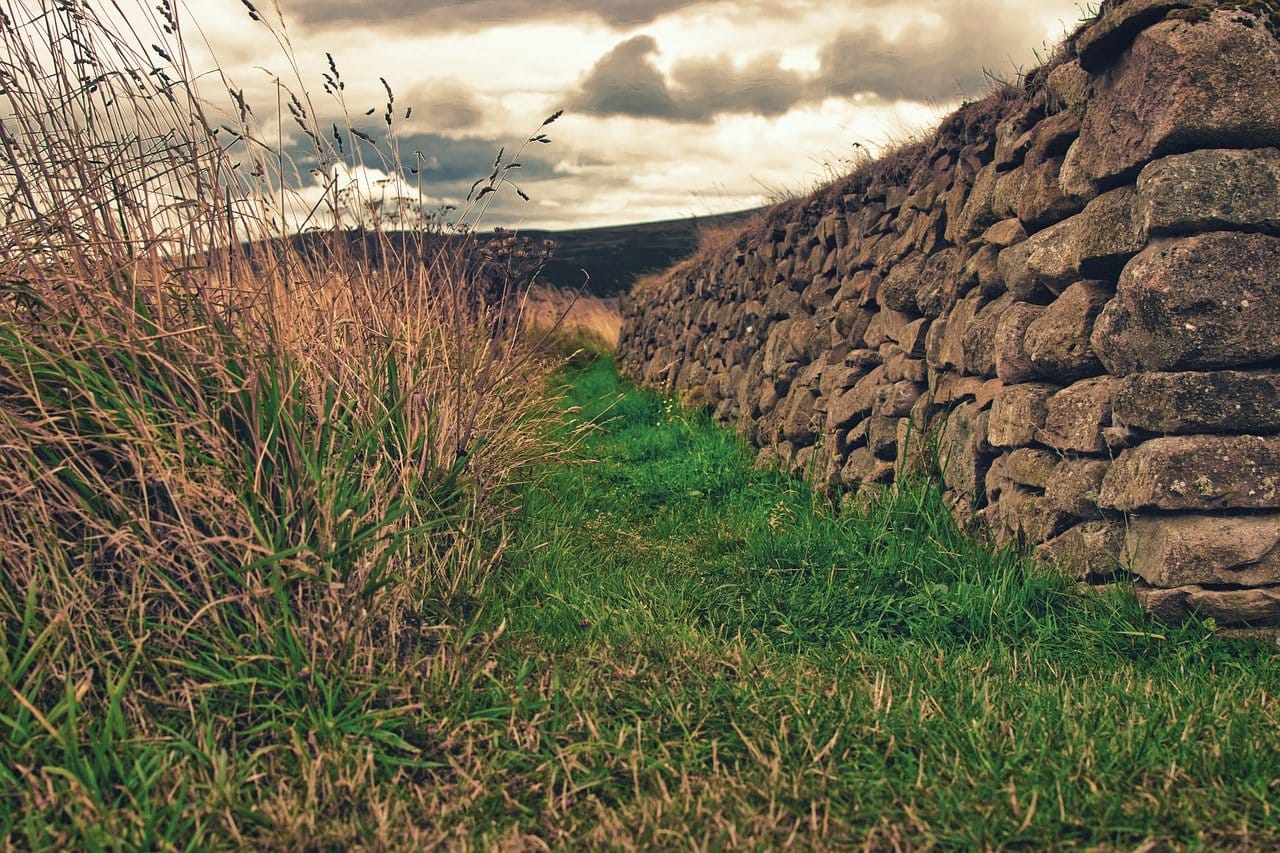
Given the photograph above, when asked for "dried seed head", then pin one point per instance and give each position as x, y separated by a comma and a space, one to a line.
165, 8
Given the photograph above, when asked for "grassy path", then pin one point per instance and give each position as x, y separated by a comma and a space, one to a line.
697, 652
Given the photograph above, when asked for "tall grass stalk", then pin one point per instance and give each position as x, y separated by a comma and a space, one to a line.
250, 492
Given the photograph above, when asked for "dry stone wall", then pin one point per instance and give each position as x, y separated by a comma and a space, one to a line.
1066, 304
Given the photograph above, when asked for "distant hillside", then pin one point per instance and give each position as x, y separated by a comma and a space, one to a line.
610, 259
607, 260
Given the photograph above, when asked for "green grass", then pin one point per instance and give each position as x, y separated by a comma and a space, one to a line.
699, 652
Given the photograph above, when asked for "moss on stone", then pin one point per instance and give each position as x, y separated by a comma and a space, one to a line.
1266, 10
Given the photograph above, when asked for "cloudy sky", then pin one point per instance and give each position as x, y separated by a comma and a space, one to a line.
673, 108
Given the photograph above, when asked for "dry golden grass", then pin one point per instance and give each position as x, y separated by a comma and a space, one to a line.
570, 319
715, 240
251, 494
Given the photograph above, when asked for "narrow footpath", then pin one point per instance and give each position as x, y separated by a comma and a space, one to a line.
696, 652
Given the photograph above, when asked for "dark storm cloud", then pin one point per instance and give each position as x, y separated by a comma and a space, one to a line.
943, 60
446, 164
435, 15
628, 82
935, 63
708, 87
458, 162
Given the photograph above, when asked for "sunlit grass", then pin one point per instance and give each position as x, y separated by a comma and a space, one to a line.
567, 320
710, 654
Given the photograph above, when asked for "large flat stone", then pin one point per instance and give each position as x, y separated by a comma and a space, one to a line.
1110, 233
948, 388
777, 348
852, 322
1013, 139
1016, 274
941, 283
1075, 484
1074, 179
1004, 233
895, 401
855, 403
977, 215
1096, 243
882, 437
1088, 551
1071, 85
1042, 200
1057, 342
1077, 416
1183, 85
1052, 255
979, 339
1227, 401
1200, 472
1013, 365
801, 422
898, 290
1023, 516
1200, 303
1215, 190
1018, 412
1010, 188
944, 342
1102, 43
1182, 550
1255, 608
1051, 138
1029, 466
964, 455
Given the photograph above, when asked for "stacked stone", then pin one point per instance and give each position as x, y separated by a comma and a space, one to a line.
1069, 298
